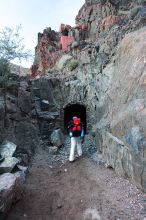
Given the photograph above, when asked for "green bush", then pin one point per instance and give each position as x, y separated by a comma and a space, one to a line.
134, 11
11, 48
51, 49
11, 44
73, 64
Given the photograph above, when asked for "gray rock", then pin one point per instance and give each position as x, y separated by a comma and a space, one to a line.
7, 149
53, 150
8, 164
84, 57
136, 139
48, 115
26, 138
11, 189
45, 105
22, 168
57, 138
112, 145
11, 108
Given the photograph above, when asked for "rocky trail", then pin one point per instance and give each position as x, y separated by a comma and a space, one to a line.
84, 190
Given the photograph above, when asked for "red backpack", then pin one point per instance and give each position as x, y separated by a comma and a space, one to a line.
77, 124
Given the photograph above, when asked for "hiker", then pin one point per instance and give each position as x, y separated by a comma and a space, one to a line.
76, 133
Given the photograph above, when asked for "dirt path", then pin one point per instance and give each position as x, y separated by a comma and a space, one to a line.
81, 190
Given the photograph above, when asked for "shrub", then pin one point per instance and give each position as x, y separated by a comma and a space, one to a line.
73, 64
11, 44
51, 49
11, 49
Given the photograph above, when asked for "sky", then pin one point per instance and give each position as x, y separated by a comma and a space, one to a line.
36, 15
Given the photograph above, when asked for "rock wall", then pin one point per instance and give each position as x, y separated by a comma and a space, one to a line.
16, 122
110, 81
127, 107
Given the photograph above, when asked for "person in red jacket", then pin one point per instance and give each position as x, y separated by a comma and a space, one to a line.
76, 133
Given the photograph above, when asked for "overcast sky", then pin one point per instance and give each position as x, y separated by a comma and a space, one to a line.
36, 15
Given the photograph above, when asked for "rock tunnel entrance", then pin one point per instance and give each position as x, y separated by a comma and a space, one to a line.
72, 110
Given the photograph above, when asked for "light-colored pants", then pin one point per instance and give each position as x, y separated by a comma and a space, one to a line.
75, 142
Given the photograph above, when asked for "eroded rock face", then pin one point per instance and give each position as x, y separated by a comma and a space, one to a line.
47, 52
127, 110
128, 92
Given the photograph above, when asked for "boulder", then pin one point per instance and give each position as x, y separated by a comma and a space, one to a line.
7, 149
57, 138
8, 164
26, 137
11, 189
124, 159
45, 105
52, 150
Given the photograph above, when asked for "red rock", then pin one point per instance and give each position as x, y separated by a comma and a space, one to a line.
65, 42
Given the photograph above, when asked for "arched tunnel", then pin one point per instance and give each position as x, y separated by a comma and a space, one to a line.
72, 110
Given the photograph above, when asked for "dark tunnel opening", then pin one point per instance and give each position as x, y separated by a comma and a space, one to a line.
72, 110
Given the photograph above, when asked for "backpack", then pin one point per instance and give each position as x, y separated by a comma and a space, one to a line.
76, 124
